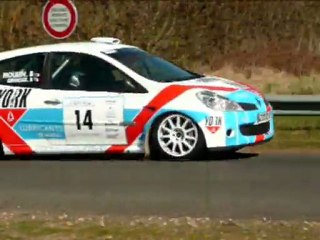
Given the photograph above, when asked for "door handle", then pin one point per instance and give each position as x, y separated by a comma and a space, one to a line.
127, 124
53, 102
122, 124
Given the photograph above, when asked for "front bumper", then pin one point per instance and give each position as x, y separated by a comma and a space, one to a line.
240, 129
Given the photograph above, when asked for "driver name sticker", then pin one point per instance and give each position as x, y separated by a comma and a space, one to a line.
20, 77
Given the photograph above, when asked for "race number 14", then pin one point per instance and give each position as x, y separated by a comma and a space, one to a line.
87, 119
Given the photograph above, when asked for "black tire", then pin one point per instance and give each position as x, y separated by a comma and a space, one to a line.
2, 156
156, 150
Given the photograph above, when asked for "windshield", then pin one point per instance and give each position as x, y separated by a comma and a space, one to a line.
150, 66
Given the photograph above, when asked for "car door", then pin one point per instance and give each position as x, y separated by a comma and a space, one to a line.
93, 108
26, 120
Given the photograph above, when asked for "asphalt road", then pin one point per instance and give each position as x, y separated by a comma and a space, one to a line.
279, 186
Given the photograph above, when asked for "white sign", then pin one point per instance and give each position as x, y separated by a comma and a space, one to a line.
59, 18
94, 120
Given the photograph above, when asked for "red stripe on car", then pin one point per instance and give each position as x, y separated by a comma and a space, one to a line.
260, 138
8, 118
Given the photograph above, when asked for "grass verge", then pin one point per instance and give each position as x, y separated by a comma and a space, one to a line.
154, 228
295, 133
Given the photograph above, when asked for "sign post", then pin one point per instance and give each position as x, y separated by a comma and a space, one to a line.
59, 18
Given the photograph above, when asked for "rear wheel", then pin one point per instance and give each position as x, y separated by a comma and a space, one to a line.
176, 136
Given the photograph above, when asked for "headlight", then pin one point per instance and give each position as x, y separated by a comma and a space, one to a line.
217, 102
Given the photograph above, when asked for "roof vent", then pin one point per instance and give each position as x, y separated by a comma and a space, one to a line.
107, 40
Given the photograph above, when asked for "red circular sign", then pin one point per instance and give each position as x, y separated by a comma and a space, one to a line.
59, 18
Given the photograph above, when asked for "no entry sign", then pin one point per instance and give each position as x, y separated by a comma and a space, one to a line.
59, 18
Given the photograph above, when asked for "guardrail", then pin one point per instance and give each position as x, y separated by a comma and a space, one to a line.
295, 105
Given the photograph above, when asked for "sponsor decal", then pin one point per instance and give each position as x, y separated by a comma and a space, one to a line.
80, 102
112, 132
21, 77
38, 131
10, 117
111, 113
14, 98
9, 137
91, 122
41, 128
213, 123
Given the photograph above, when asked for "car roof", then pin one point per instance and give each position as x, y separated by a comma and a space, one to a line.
66, 47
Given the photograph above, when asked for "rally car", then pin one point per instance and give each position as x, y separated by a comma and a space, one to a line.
102, 96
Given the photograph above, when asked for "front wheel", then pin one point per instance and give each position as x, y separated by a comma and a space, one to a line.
176, 136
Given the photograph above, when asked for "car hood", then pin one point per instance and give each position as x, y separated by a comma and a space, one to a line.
240, 92
214, 82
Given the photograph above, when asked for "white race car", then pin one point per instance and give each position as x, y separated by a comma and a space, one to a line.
102, 96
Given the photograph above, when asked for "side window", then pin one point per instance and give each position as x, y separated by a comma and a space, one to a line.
75, 71
22, 71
